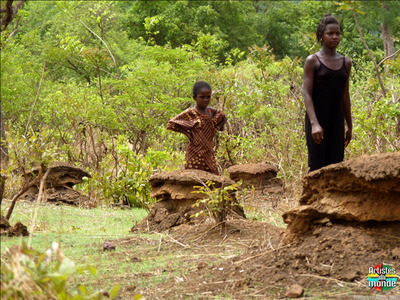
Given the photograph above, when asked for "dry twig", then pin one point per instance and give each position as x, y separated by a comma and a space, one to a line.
41, 190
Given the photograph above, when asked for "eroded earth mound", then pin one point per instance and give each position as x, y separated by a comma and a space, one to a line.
348, 221
174, 190
261, 176
16, 230
363, 189
59, 184
334, 259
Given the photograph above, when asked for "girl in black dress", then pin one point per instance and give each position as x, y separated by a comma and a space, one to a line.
327, 99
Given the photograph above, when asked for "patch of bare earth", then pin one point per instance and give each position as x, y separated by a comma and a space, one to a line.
344, 225
198, 251
346, 222
248, 261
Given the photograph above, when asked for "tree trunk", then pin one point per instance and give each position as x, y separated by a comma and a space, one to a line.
3, 143
388, 46
387, 34
378, 74
9, 12
2, 187
388, 43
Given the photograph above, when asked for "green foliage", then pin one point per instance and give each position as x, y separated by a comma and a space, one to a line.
64, 99
376, 127
130, 186
32, 150
217, 200
30, 274
209, 46
155, 89
212, 26
393, 65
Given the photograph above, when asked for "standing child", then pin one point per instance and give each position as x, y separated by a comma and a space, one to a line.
327, 99
199, 124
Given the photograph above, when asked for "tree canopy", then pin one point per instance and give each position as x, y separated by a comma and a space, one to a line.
80, 79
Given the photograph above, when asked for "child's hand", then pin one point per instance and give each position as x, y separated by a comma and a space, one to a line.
220, 125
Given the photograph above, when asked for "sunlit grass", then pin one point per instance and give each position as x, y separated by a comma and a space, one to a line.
140, 258
77, 230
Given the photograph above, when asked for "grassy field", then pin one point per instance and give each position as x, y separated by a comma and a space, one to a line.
140, 260
73, 227
80, 233
162, 265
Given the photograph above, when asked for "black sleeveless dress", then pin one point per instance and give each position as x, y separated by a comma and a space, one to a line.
328, 89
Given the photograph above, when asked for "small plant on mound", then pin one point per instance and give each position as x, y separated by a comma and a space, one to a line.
217, 202
30, 274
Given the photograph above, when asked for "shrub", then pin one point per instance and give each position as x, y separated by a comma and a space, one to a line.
30, 274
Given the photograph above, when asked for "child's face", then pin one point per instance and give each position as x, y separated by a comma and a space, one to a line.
203, 98
331, 36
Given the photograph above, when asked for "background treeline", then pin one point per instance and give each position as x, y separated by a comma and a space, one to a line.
95, 82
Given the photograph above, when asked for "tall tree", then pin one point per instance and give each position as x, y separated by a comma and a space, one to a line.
387, 32
8, 11
176, 23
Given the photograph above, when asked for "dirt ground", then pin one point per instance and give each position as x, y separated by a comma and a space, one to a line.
250, 259
329, 257
331, 261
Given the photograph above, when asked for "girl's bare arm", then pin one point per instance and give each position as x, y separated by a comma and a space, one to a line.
347, 105
308, 80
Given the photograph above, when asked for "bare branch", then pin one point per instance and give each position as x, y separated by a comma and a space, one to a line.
14, 31
10, 12
41, 190
109, 51
23, 190
389, 57
36, 98
370, 54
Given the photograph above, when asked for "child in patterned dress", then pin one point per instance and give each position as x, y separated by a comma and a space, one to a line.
199, 124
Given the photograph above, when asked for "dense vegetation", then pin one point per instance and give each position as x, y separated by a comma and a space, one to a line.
94, 84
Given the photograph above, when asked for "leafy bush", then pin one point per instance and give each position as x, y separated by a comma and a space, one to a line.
64, 98
217, 201
131, 186
30, 274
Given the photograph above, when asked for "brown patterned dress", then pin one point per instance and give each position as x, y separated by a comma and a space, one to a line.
199, 152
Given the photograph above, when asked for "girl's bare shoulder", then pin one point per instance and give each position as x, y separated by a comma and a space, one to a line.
312, 61
214, 112
347, 61
312, 57
311, 64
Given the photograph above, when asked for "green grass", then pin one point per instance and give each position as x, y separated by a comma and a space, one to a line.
139, 261
81, 233
73, 228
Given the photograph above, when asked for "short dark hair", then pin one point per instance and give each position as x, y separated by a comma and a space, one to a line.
326, 20
199, 85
